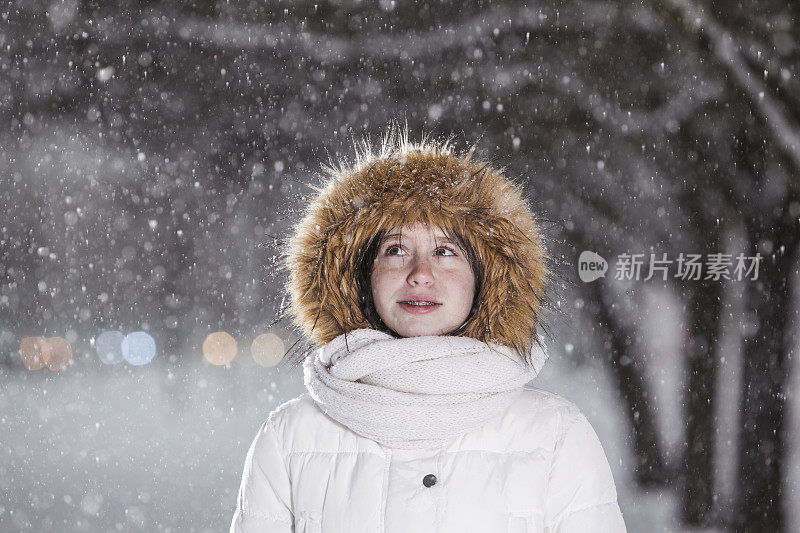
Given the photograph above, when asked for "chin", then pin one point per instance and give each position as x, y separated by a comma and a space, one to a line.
423, 331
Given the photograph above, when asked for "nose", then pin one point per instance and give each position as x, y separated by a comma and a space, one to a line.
421, 273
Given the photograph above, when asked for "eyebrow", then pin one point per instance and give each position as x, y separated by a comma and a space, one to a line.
437, 239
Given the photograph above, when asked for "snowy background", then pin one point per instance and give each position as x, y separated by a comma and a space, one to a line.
153, 151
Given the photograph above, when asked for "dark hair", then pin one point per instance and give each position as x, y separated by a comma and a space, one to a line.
363, 269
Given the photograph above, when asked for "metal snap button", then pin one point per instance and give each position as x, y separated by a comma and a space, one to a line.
429, 480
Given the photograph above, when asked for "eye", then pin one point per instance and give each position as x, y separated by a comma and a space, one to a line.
390, 248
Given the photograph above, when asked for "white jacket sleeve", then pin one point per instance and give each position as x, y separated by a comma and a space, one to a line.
264, 500
581, 495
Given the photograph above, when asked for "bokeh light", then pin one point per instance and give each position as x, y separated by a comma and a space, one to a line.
138, 348
267, 349
219, 348
34, 352
59, 353
108, 346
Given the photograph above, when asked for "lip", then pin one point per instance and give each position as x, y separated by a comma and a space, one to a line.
420, 299
419, 309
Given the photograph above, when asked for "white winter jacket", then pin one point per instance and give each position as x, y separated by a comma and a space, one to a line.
538, 467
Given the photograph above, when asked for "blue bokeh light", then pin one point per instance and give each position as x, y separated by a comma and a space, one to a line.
108, 346
138, 348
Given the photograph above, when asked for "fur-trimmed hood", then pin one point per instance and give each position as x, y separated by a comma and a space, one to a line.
405, 183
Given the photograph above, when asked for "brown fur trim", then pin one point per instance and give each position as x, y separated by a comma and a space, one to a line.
406, 183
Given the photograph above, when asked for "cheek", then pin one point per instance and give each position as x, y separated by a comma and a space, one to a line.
469, 288
466, 280
463, 284
380, 285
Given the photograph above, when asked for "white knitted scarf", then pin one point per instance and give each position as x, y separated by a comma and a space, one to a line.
414, 392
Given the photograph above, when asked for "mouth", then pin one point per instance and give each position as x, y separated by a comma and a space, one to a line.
419, 307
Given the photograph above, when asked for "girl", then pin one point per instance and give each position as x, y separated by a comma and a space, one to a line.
419, 275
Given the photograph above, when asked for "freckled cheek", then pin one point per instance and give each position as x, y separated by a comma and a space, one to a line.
460, 277
465, 284
383, 284
386, 274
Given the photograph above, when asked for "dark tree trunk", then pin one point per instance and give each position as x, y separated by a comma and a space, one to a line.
704, 300
698, 468
631, 382
762, 408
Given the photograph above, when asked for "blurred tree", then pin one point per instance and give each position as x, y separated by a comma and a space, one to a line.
756, 55
171, 134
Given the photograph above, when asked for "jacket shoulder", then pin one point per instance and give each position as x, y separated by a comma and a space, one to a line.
546, 404
536, 421
302, 427
288, 413
543, 408
295, 416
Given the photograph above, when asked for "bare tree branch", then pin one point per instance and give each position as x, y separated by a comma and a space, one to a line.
694, 20
221, 34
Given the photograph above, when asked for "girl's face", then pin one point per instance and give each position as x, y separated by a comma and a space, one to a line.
425, 266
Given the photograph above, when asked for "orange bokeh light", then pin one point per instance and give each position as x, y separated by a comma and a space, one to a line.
60, 353
267, 349
219, 348
38, 352
34, 352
